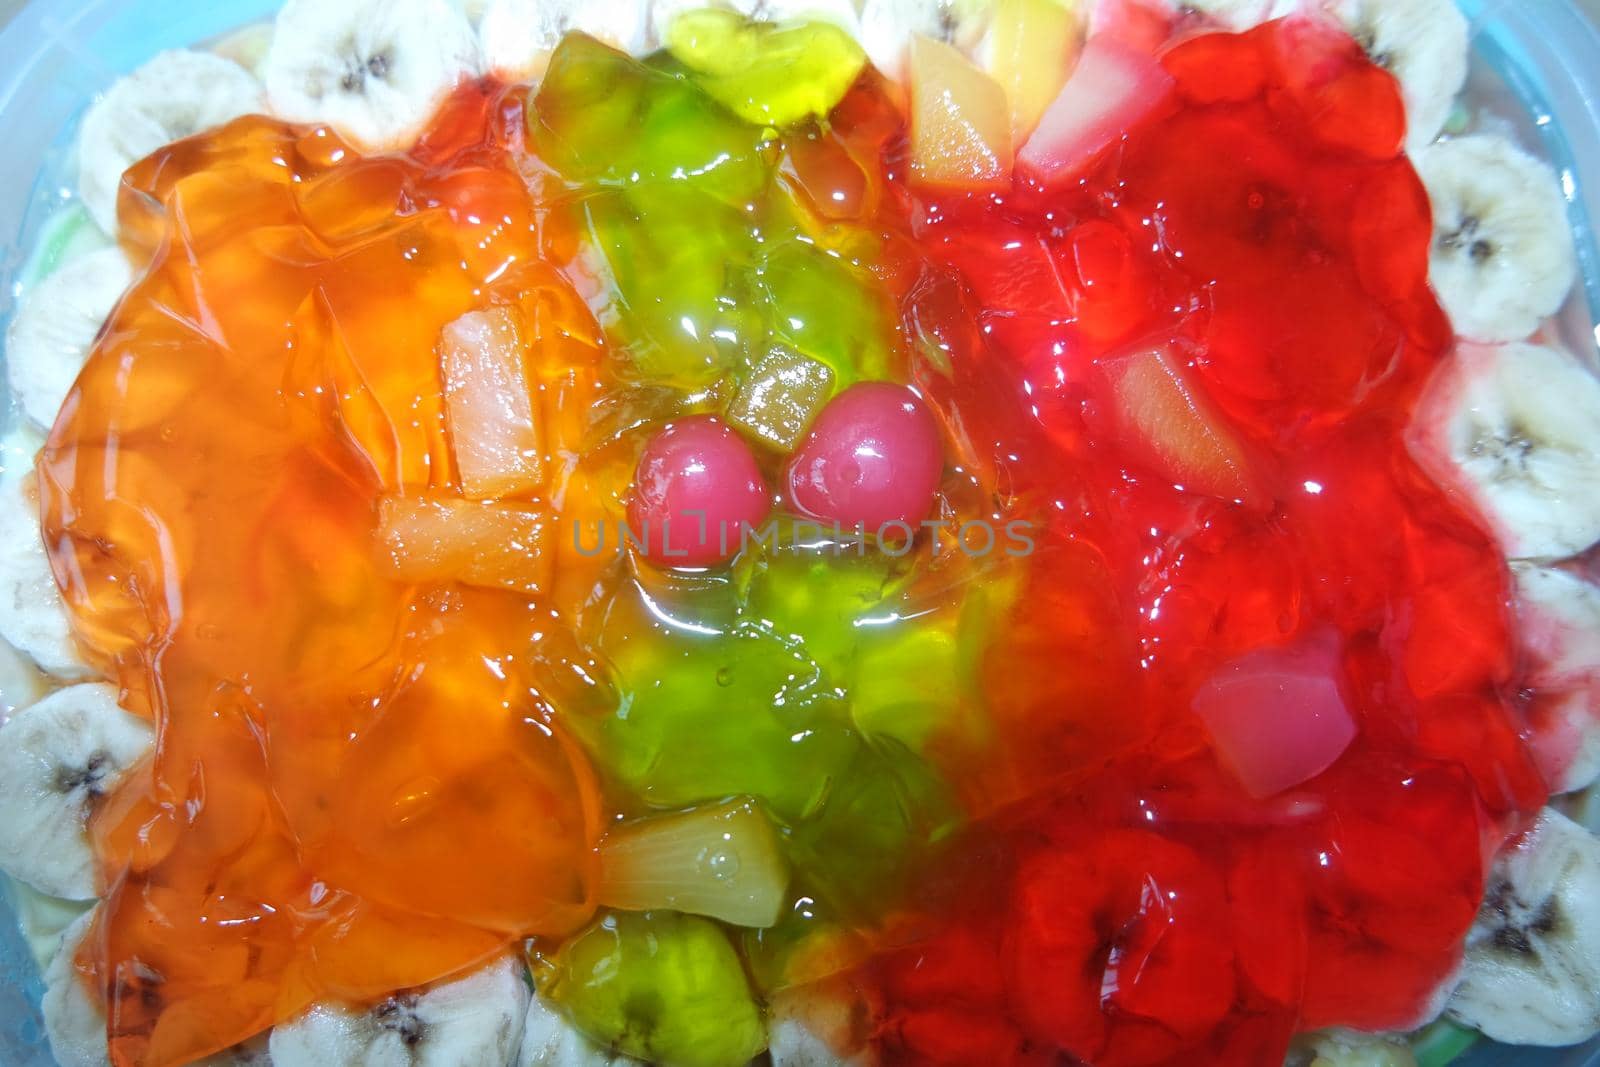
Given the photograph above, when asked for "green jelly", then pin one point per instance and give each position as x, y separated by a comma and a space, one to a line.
808, 678
1442, 1043
828, 309
703, 715
707, 272
660, 987
879, 820
765, 73
907, 671
675, 261
601, 117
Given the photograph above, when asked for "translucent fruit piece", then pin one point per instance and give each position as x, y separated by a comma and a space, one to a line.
1277, 716
960, 120
661, 987
489, 405
1112, 88
1177, 426
723, 862
601, 116
1031, 48
774, 75
441, 539
780, 396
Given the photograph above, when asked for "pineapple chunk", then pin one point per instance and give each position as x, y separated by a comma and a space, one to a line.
1031, 49
498, 447
1182, 434
442, 539
960, 120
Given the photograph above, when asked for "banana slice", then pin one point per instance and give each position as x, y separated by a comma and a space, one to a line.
74, 1020
1514, 426
57, 759
21, 683
246, 46
662, 13
1423, 43
474, 1020
887, 27
793, 1045
1241, 15
1558, 615
34, 621
519, 35
1532, 970
1350, 1048
173, 96
255, 1052
810, 1025
56, 324
548, 1040
842, 13
375, 70
1502, 258
43, 919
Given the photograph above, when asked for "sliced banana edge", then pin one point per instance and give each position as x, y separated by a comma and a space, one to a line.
1351, 1048
33, 619
374, 70
1558, 617
1503, 257
1532, 969
1424, 44
21, 682
256, 1052
549, 1040
58, 758
246, 46
173, 96
1239, 15
43, 919
1514, 427
56, 324
74, 1019
818, 1025
476, 1019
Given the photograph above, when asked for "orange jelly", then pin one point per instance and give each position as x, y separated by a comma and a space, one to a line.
357, 787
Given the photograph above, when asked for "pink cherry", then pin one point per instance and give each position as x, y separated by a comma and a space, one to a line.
873, 457
695, 489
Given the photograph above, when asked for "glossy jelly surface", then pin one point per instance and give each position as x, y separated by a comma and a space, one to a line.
1170, 390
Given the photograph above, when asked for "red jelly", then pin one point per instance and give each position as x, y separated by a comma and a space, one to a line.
1128, 901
